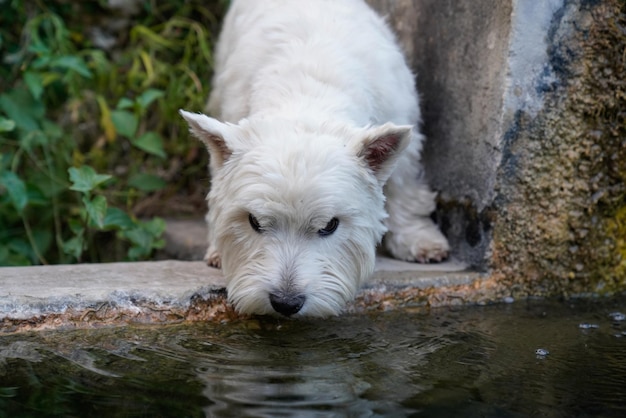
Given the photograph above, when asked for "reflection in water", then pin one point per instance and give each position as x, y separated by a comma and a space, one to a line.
309, 368
469, 362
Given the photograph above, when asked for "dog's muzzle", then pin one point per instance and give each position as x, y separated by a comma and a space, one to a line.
287, 304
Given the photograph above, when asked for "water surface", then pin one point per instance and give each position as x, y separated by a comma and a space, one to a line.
534, 358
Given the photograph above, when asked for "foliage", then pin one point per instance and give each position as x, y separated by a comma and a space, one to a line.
86, 103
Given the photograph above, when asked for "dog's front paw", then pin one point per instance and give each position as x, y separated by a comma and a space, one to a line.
213, 257
421, 242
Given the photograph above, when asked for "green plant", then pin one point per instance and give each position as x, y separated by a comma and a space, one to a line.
95, 214
59, 132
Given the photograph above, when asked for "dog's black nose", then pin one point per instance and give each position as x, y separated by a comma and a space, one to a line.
286, 305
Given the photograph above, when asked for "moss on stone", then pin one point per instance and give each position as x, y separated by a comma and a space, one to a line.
561, 226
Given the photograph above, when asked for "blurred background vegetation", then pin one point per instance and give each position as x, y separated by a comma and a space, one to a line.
93, 151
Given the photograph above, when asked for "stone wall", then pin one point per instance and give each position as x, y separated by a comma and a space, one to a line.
523, 106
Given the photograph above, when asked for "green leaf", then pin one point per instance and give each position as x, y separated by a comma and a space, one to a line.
5, 161
85, 178
10, 258
22, 247
98, 62
43, 187
76, 226
41, 63
31, 139
147, 182
16, 189
34, 82
6, 125
39, 48
52, 130
139, 237
152, 38
72, 62
96, 209
147, 97
137, 253
151, 143
125, 123
105, 119
49, 78
155, 226
74, 246
36, 196
142, 243
19, 105
145, 238
117, 219
125, 103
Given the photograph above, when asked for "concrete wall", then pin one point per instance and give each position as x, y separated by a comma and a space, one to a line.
459, 52
526, 140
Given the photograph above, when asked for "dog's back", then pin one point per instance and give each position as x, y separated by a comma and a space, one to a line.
280, 56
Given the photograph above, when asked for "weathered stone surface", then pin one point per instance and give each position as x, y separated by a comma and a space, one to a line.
92, 295
108, 293
523, 110
561, 195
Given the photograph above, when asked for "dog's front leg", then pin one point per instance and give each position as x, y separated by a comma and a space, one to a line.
212, 257
412, 235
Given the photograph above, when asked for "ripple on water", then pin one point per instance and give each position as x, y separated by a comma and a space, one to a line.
480, 361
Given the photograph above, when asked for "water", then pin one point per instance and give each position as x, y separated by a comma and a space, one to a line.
522, 359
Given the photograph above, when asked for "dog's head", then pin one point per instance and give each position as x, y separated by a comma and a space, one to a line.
297, 210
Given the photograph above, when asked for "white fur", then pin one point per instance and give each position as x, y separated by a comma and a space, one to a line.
316, 101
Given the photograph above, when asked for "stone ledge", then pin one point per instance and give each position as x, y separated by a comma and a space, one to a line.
93, 295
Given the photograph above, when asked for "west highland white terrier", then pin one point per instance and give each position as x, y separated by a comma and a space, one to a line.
318, 114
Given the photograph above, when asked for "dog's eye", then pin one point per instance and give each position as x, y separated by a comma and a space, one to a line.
254, 223
330, 227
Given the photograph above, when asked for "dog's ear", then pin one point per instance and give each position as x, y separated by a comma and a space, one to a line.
381, 146
213, 133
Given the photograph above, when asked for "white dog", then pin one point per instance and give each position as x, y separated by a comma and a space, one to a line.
319, 113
